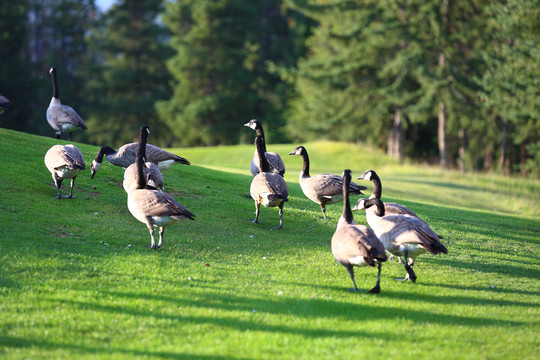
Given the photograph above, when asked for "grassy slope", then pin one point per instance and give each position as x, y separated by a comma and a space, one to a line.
77, 281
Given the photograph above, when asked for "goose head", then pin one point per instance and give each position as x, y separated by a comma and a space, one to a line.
52, 70
367, 175
94, 167
299, 151
254, 124
363, 204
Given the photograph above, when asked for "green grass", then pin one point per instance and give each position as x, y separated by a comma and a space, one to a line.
78, 281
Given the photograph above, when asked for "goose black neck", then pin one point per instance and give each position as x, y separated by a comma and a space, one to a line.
377, 203
260, 132
377, 186
347, 212
259, 144
104, 150
305, 166
56, 93
141, 155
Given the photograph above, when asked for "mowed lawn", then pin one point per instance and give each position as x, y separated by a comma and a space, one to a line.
77, 280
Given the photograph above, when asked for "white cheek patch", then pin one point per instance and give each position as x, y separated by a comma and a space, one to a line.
95, 165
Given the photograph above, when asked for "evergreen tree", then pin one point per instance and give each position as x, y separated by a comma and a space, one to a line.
127, 73
512, 83
220, 70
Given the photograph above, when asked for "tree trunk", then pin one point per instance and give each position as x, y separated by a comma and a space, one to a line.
502, 156
396, 140
442, 136
523, 157
462, 149
488, 158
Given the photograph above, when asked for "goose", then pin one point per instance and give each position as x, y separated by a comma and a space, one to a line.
64, 162
325, 188
402, 234
152, 174
5, 104
389, 208
127, 153
356, 245
152, 207
267, 188
276, 163
62, 118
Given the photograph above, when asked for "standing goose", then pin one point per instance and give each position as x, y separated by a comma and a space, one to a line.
152, 174
356, 245
267, 188
5, 104
151, 207
64, 162
402, 234
325, 188
389, 208
276, 163
127, 154
62, 118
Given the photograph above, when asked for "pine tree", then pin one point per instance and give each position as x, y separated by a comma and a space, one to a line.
127, 73
220, 70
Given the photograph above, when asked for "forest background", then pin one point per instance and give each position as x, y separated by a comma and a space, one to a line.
437, 81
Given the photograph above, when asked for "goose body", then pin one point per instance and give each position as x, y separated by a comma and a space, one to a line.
402, 235
268, 189
127, 154
5, 104
64, 162
62, 118
322, 189
152, 207
276, 163
151, 172
356, 245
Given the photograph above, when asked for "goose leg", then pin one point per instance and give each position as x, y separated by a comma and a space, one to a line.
280, 218
350, 269
323, 208
71, 196
377, 289
257, 208
57, 183
69, 136
410, 273
161, 231
152, 238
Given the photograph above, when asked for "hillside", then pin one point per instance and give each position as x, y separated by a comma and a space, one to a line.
78, 281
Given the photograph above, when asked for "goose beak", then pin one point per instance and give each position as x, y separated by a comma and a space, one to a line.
292, 153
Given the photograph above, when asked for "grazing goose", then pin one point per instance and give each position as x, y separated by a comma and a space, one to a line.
402, 234
127, 153
152, 174
276, 163
323, 189
5, 104
62, 118
389, 208
64, 162
267, 188
356, 245
152, 207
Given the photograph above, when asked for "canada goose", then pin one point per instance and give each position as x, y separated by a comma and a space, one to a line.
356, 245
389, 208
151, 207
5, 104
325, 188
127, 153
62, 118
268, 189
402, 234
64, 162
152, 174
276, 163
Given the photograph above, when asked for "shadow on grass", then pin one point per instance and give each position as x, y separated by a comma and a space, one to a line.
303, 308
16, 342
